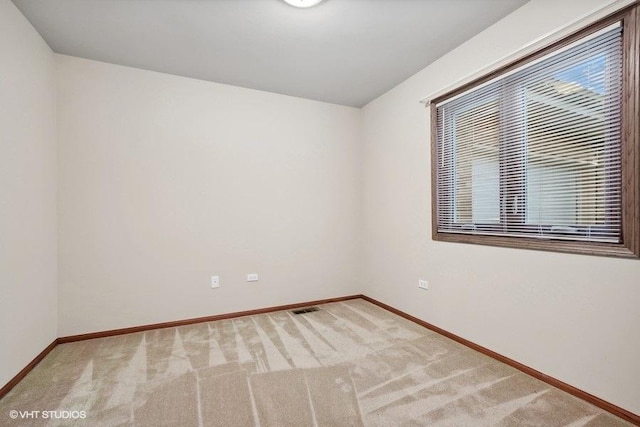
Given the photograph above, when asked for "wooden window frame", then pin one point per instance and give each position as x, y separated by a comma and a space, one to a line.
630, 148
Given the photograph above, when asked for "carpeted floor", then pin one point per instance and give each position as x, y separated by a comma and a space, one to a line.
348, 364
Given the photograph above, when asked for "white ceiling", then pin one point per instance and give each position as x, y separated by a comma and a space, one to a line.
343, 51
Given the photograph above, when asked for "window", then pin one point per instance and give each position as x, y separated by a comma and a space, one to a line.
544, 153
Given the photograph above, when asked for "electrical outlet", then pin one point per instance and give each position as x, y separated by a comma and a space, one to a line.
252, 277
423, 284
215, 281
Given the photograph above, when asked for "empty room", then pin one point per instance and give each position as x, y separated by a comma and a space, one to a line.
320, 213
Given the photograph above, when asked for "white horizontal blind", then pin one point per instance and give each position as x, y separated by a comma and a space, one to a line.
536, 153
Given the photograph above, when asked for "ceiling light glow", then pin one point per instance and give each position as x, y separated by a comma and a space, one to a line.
303, 3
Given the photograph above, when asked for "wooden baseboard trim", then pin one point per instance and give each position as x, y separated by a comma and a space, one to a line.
609, 407
15, 380
213, 318
602, 404
23, 373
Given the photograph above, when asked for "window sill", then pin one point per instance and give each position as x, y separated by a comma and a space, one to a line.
618, 250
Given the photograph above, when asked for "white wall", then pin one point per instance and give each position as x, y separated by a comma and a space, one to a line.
165, 181
573, 317
28, 296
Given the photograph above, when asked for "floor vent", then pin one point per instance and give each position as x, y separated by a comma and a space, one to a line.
305, 310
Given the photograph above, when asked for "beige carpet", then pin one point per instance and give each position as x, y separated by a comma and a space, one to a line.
348, 364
